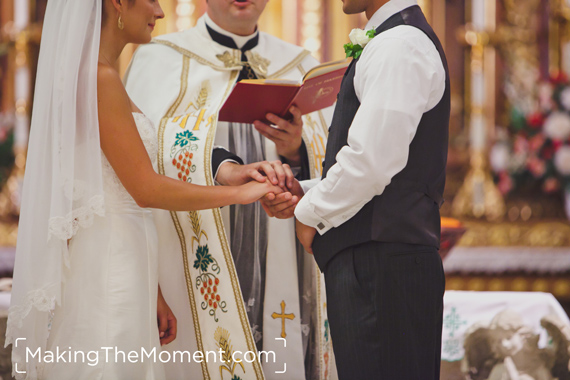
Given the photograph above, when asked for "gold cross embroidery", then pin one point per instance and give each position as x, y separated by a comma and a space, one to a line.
283, 316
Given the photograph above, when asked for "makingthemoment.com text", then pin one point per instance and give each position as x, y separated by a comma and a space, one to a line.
113, 354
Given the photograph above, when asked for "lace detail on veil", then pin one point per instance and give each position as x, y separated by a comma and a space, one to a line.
39, 299
43, 301
64, 227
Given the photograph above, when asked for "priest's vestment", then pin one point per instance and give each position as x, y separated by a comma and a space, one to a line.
180, 81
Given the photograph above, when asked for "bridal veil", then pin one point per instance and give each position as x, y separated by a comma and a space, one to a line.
63, 188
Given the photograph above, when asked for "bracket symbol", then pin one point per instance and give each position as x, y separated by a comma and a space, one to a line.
284, 369
16, 364
284, 341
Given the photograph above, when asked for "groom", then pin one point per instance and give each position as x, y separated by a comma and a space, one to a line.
373, 220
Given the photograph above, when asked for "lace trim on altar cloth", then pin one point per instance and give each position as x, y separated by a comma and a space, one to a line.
64, 227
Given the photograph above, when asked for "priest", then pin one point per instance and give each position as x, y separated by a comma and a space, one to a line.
234, 278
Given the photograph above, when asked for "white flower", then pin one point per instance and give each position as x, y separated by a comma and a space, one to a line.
565, 98
359, 37
499, 157
557, 126
562, 160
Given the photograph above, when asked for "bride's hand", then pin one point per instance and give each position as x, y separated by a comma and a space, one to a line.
231, 173
253, 191
167, 323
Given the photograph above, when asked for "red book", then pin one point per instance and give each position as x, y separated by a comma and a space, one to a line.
251, 100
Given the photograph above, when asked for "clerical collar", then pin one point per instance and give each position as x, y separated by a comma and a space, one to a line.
228, 39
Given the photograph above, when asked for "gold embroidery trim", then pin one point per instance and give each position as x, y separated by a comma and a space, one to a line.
324, 124
230, 60
189, 54
238, 297
175, 220
296, 61
257, 63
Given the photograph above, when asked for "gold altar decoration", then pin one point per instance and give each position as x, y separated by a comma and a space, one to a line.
559, 37
558, 285
548, 233
478, 196
517, 40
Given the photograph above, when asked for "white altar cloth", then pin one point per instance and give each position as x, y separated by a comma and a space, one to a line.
462, 309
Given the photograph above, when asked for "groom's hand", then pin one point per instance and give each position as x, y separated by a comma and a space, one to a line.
282, 206
286, 134
306, 235
233, 174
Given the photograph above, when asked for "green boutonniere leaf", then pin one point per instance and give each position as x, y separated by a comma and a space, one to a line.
352, 50
371, 33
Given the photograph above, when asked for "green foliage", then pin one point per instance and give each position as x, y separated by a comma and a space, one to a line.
352, 50
203, 258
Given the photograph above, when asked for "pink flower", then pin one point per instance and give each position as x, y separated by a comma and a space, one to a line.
551, 185
520, 145
505, 183
536, 142
536, 166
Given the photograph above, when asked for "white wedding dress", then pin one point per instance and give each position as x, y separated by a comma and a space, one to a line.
110, 295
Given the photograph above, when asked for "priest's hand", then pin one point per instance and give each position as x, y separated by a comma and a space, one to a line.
282, 206
286, 134
234, 174
306, 235
167, 323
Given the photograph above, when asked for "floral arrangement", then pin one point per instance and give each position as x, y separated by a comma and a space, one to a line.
536, 147
359, 38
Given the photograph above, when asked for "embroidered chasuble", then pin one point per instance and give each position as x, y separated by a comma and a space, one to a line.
236, 280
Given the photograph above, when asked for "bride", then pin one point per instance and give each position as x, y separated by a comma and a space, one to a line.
85, 292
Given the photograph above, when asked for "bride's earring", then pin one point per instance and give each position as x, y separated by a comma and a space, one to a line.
120, 23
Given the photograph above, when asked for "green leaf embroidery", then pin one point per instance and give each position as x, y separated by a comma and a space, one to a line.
203, 258
184, 138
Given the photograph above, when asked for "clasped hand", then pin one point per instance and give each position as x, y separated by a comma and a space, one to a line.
282, 206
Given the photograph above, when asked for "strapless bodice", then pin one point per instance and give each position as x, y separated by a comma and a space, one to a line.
115, 192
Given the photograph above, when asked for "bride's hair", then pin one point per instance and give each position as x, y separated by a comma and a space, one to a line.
104, 14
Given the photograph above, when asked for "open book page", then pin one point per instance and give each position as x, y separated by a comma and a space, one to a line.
326, 67
253, 99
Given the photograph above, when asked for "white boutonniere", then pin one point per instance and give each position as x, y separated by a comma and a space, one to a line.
358, 40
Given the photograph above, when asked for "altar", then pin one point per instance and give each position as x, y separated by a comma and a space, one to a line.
477, 325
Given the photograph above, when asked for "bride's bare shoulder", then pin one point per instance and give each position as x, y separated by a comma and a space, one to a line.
109, 85
106, 75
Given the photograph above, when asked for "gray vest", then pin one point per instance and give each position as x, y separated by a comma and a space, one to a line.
408, 209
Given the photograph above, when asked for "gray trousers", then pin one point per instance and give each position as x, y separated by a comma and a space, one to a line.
385, 309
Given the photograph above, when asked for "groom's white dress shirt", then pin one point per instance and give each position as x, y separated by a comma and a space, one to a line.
398, 78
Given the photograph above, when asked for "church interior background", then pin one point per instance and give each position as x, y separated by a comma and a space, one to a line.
507, 200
